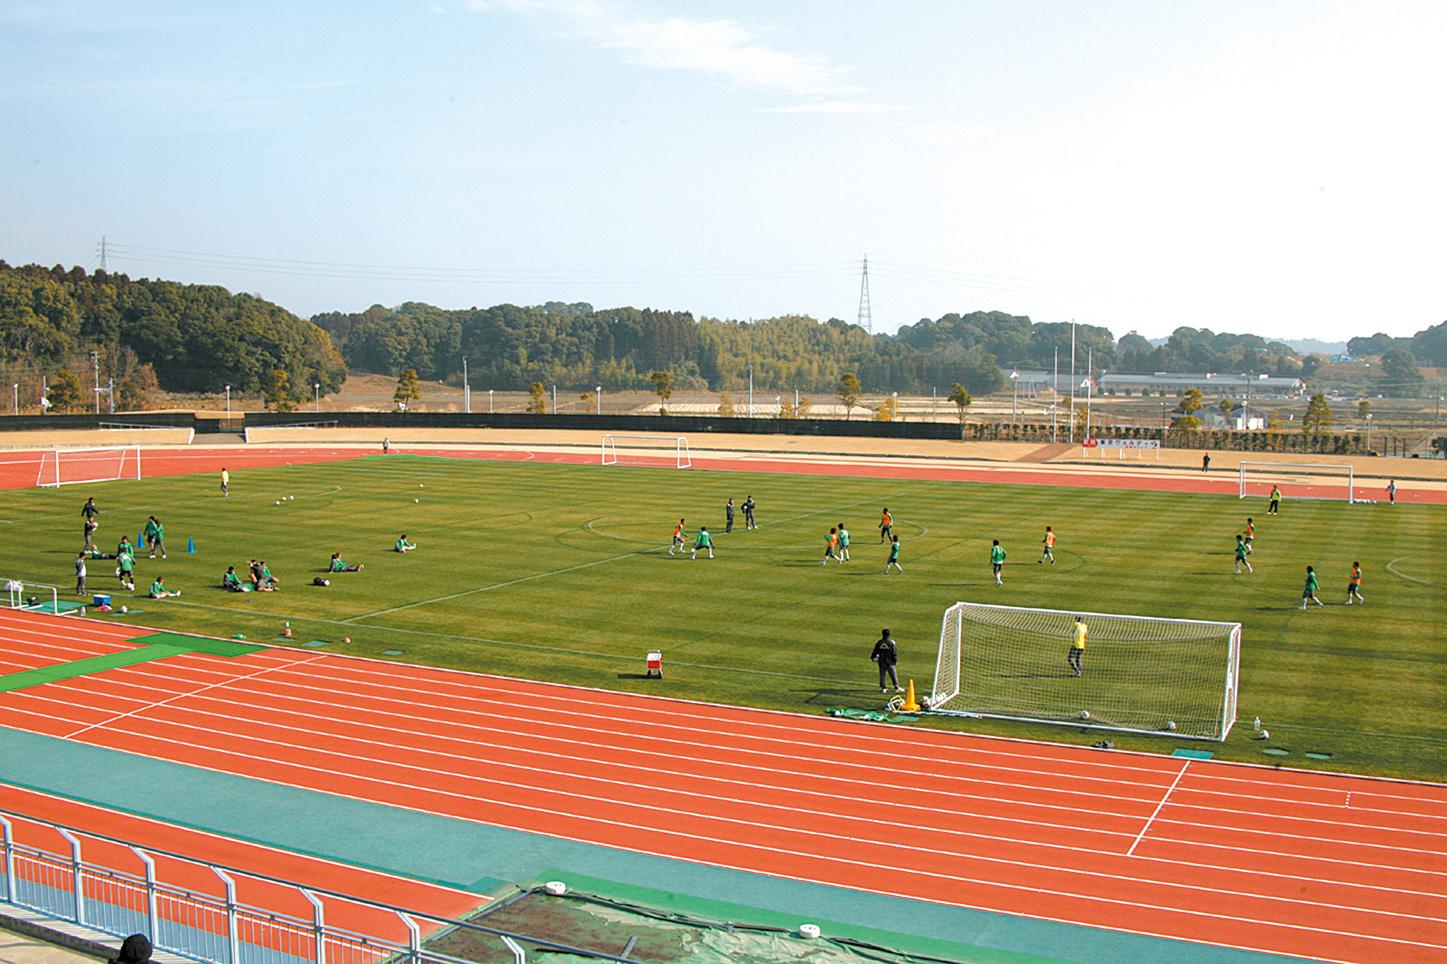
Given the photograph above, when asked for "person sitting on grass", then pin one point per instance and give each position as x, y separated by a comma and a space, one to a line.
259, 580
403, 545
271, 581
231, 582
159, 590
338, 565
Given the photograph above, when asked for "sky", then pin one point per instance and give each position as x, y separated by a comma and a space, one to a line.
1242, 166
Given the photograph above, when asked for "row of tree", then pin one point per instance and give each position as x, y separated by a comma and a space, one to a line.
152, 334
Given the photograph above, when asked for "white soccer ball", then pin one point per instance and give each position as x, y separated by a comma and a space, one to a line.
277, 502
421, 486
1170, 724
1085, 714
416, 500
124, 610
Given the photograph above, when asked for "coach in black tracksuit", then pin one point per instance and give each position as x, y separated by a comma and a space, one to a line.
886, 655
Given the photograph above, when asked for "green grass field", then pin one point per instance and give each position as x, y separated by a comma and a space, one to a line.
562, 573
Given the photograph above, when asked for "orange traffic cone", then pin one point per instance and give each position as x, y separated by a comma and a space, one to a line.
286, 631
910, 706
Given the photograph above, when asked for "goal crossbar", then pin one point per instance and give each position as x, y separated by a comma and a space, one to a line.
1263, 475
675, 446
1139, 674
125, 463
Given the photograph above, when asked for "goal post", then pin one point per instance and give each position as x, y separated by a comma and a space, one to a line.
85, 465
1298, 480
646, 449
37, 597
1139, 674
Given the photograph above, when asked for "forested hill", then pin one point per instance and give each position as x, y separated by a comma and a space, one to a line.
575, 344
189, 337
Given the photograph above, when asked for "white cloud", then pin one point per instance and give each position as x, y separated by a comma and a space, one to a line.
721, 48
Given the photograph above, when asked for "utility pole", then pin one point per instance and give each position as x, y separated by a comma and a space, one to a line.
866, 316
1072, 382
95, 365
1054, 393
466, 389
751, 390
555, 399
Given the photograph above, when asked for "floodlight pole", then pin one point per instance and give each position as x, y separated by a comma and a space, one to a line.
317, 390
1369, 432
599, 392
95, 365
1072, 382
466, 390
555, 399
489, 401
751, 391
228, 401
1014, 394
15, 390
1054, 394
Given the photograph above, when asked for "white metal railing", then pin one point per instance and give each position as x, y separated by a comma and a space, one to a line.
212, 928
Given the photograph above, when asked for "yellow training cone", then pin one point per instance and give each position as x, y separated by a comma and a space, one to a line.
910, 706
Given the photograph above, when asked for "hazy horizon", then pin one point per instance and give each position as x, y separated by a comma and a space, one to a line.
1241, 167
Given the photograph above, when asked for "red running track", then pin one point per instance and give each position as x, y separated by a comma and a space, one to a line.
1324, 866
18, 470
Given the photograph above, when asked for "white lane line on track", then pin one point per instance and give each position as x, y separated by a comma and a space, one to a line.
148, 706
1156, 812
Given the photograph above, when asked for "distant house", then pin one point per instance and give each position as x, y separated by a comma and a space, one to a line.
1034, 382
1211, 384
1345, 360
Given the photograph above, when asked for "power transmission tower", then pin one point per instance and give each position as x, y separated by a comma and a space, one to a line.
866, 319
103, 264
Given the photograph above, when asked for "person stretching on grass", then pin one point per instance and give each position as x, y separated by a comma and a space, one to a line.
893, 559
1049, 547
1077, 646
337, 565
679, 534
1354, 585
159, 590
704, 541
997, 561
1241, 559
402, 545
231, 582
1309, 588
843, 543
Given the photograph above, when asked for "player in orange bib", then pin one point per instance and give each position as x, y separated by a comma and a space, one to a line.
1354, 585
679, 534
1049, 543
886, 525
831, 548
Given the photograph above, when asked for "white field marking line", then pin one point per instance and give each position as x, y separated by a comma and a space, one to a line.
24, 667
1392, 568
150, 671
88, 639
477, 691
1015, 803
843, 818
178, 696
870, 842
522, 579
1157, 810
253, 845
66, 655
832, 883
492, 699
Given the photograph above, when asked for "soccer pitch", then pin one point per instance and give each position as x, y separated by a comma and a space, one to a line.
562, 572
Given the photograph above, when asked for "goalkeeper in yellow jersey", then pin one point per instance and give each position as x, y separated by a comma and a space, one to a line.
1077, 646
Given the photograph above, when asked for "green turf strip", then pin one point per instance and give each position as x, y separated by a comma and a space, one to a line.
152, 647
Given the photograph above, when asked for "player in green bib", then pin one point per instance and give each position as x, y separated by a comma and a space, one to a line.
843, 543
402, 545
893, 555
231, 582
1309, 588
126, 569
1241, 559
702, 541
159, 590
155, 536
997, 561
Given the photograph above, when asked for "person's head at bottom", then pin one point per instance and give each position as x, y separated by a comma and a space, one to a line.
135, 949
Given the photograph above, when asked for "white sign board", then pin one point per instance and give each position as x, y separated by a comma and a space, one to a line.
1128, 443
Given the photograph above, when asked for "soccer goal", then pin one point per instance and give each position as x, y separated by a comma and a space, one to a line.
1139, 674
646, 450
38, 597
1298, 480
78, 466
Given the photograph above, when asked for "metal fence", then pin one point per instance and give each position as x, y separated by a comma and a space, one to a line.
218, 928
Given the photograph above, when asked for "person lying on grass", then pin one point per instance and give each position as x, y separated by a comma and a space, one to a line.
159, 590
403, 545
338, 565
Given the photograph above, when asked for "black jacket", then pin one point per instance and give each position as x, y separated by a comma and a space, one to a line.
885, 652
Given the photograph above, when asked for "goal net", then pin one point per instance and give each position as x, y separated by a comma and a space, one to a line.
1139, 674
1298, 480
79, 466
37, 597
646, 450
